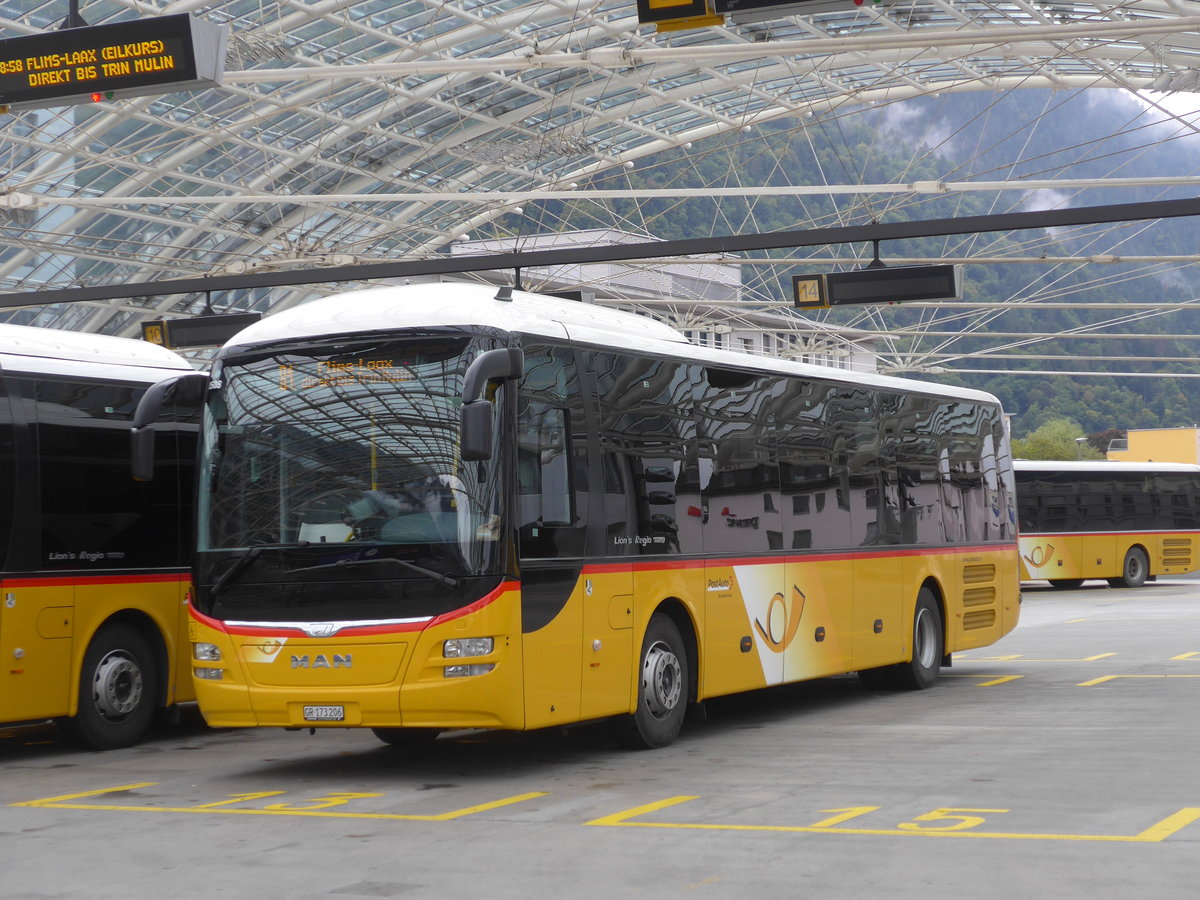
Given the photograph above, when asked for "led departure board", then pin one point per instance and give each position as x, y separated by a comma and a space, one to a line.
105, 62
882, 284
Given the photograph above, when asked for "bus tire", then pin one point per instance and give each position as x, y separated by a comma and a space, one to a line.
410, 740
118, 687
1134, 569
928, 642
1066, 584
663, 689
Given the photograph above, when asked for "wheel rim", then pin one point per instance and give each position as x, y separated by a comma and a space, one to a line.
1133, 567
925, 639
662, 680
117, 686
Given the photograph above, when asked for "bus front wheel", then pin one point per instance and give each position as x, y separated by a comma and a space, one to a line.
1134, 570
663, 688
928, 639
118, 685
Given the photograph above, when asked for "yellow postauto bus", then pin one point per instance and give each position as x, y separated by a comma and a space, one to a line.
446, 506
1124, 522
94, 567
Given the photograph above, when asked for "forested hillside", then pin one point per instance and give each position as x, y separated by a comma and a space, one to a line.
989, 137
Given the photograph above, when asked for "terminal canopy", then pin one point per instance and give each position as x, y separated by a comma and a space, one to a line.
366, 131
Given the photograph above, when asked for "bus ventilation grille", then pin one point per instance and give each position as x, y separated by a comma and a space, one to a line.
981, 596
1177, 552
979, 574
979, 618
979, 602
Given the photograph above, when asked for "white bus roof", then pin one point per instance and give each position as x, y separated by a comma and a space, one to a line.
450, 304
1100, 465
25, 348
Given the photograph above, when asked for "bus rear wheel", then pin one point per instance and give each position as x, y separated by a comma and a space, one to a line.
118, 686
1134, 570
663, 688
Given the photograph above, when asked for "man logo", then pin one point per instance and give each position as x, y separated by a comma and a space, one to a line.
783, 619
321, 661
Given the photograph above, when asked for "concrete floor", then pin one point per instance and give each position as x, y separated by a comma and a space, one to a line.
1061, 762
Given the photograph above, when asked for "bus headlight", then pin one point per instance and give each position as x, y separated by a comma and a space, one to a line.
458, 648
206, 652
209, 674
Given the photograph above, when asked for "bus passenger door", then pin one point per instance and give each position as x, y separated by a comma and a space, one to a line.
35, 644
36, 618
607, 641
751, 616
882, 630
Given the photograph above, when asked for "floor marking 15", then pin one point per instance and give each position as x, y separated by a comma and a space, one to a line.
945, 822
314, 806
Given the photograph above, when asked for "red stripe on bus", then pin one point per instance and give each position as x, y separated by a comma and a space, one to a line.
769, 559
64, 580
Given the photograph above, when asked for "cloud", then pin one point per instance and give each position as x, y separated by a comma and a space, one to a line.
1045, 198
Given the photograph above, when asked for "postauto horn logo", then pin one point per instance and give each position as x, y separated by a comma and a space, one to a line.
783, 619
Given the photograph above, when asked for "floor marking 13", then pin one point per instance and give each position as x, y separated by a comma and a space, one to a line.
314, 806
945, 822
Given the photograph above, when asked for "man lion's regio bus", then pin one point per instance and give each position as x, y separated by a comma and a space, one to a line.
1125, 522
444, 506
94, 567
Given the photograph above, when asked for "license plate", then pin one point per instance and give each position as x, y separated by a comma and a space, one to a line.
324, 713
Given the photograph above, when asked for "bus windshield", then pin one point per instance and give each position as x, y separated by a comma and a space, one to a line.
338, 456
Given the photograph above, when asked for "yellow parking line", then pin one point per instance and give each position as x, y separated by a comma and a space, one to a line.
1191, 655
1154, 834
995, 679
1104, 678
65, 802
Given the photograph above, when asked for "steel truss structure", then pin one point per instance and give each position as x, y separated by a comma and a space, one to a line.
351, 132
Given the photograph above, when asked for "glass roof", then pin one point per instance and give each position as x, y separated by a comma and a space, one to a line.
344, 129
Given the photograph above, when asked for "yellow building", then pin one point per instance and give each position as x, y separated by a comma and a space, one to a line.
1157, 445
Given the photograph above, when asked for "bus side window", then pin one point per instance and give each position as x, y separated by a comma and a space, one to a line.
551, 456
8, 471
648, 436
89, 516
544, 473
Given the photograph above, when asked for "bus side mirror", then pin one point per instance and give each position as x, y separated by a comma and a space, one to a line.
185, 389
475, 415
475, 442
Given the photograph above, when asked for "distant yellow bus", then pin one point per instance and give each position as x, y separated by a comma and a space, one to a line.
94, 569
1123, 522
447, 506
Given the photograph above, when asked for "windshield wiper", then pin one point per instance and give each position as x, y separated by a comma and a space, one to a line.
240, 564
440, 577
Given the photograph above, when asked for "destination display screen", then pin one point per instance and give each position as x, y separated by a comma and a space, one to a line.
135, 57
391, 363
339, 373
